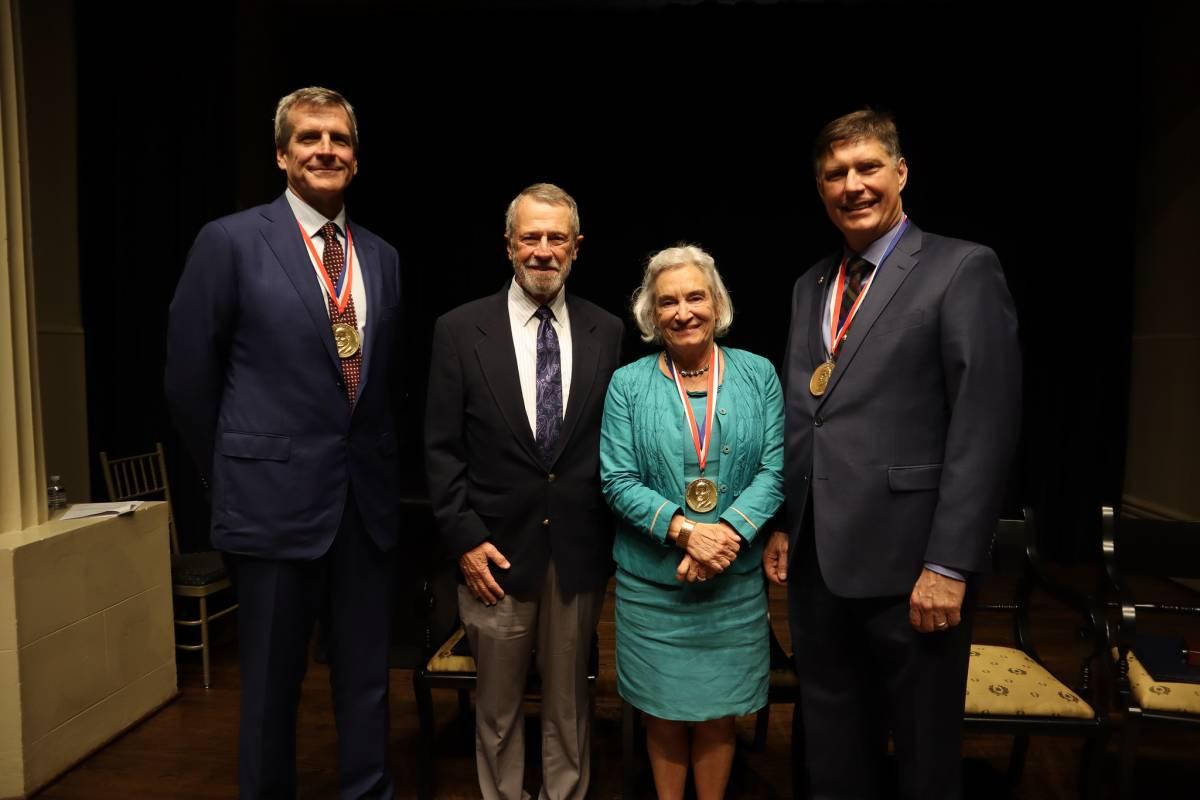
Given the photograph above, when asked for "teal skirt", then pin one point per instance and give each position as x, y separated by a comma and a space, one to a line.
693, 652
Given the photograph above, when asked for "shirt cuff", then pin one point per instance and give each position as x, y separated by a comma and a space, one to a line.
949, 573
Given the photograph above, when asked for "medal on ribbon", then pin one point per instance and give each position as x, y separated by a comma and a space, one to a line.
819, 382
345, 336
700, 494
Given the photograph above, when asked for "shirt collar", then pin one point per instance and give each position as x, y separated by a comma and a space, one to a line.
309, 218
523, 307
875, 251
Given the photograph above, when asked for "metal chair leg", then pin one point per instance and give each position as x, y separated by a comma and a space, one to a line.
1129, 735
799, 770
762, 722
1089, 767
204, 648
425, 763
1016, 762
628, 748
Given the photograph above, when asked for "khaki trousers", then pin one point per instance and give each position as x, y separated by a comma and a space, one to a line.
503, 638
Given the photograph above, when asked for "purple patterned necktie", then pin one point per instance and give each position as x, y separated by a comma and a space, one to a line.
549, 384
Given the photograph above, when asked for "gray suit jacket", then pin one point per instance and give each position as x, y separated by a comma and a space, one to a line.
904, 458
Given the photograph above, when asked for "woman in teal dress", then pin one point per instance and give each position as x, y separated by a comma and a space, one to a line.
691, 462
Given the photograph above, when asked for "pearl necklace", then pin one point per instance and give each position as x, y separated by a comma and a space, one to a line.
693, 373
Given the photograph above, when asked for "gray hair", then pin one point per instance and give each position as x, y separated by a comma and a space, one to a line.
645, 299
546, 193
310, 96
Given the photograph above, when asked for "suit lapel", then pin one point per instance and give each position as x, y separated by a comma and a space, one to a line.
816, 333
888, 279
368, 270
283, 237
498, 363
583, 372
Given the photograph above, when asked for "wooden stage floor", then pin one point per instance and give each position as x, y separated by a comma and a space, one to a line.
188, 750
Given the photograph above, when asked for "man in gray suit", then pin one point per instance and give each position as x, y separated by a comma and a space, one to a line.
902, 378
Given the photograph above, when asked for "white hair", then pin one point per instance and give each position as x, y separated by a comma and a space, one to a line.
645, 299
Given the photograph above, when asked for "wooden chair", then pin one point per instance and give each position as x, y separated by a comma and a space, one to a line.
451, 666
1009, 688
1154, 550
193, 575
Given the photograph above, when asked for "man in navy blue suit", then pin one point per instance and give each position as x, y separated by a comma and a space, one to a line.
903, 398
279, 358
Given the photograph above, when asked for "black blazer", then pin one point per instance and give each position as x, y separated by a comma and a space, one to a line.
905, 457
486, 479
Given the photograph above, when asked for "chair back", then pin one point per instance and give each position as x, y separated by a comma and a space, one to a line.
138, 477
1012, 544
1150, 547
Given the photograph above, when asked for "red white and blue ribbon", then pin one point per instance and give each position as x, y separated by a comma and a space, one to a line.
836, 335
700, 436
339, 294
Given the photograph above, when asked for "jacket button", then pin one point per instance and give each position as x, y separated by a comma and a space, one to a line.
722, 411
818, 421
546, 522
724, 488
550, 477
725, 449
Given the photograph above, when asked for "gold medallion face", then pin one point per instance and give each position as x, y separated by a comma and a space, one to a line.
819, 381
701, 495
346, 338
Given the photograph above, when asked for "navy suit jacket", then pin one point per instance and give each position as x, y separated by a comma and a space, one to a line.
254, 384
486, 479
905, 456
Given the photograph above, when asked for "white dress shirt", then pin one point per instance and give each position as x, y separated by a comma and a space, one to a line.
524, 323
312, 221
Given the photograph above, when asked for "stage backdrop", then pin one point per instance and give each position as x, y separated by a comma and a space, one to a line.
668, 122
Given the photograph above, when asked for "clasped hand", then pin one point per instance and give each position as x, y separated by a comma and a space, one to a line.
711, 548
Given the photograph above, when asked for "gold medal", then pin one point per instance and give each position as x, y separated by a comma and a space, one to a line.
345, 336
701, 495
819, 381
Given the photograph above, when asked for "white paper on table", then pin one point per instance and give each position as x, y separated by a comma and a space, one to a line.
81, 510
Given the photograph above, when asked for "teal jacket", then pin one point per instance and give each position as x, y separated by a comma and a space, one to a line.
642, 439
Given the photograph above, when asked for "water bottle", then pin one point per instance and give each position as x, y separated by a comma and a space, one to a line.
56, 493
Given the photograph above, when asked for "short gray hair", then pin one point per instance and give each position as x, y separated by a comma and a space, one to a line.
546, 193
645, 299
310, 96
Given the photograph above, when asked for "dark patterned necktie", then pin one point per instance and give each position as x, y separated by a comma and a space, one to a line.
334, 259
857, 273
549, 384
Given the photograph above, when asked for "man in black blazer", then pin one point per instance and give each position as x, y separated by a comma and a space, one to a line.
903, 386
516, 388
279, 357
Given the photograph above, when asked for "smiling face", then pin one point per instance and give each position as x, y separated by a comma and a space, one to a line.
542, 247
860, 185
319, 160
685, 311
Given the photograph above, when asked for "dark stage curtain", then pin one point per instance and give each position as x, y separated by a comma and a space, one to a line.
669, 122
